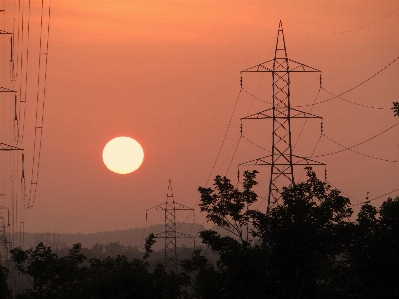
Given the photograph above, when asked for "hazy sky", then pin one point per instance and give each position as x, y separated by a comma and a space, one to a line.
167, 73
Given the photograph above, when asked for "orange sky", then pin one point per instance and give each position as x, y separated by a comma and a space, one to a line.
166, 73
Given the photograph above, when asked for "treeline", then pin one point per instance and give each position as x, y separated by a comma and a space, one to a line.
306, 246
78, 272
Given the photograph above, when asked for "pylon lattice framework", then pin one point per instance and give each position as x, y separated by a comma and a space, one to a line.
281, 160
170, 235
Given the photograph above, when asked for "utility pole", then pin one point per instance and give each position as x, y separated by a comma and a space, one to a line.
170, 235
281, 160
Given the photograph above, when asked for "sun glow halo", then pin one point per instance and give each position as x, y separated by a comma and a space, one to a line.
123, 155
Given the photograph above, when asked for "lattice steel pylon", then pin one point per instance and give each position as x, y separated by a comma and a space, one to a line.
170, 235
281, 160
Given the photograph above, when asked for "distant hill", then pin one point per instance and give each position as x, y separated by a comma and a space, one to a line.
133, 237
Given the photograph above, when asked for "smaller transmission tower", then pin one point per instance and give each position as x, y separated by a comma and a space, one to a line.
4, 243
170, 235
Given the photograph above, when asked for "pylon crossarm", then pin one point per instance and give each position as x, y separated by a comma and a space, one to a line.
283, 164
263, 65
308, 161
183, 235
160, 235
181, 207
305, 68
158, 207
269, 66
3, 89
302, 114
255, 161
259, 115
7, 147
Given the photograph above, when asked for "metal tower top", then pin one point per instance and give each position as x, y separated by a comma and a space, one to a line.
280, 51
170, 191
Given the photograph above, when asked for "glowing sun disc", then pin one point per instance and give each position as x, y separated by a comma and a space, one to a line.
123, 155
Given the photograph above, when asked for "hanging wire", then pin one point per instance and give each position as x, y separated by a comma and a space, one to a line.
357, 104
39, 119
328, 182
364, 141
235, 150
306, 120
20, 65
24, 96
356, 86
311, 155
347, 148
234, 153
378, 197
253, 143
224, 138
254, 96
350, 30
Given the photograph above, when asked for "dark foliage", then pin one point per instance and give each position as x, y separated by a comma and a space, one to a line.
395, 108
374, 254
70, 277
305, 247
5, 292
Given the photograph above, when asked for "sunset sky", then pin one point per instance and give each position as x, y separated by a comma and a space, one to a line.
167, 73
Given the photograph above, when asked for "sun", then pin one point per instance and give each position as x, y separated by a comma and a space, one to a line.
123, 155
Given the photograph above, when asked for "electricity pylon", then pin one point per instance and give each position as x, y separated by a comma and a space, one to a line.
170, 235
4, 242
281, 160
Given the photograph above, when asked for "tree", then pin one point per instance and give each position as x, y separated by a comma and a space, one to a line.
72, 276
226, 206
51, 276
120, 278
374, 252
300, 240
5, 292
395, 108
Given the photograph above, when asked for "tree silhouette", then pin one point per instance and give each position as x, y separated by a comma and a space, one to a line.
51, 276
374, 252
226, 206
72, 276
395, 108
307, 247
5, 292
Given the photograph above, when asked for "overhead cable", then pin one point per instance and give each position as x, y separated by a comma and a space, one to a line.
350, 30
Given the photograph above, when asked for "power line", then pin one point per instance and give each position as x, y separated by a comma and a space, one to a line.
253, 143
40, 101
378, 197
306, 120
350, 30
357, 104
328, 182
367, 156
234, 153
364, 141
356, 86
224, 138
254, 96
